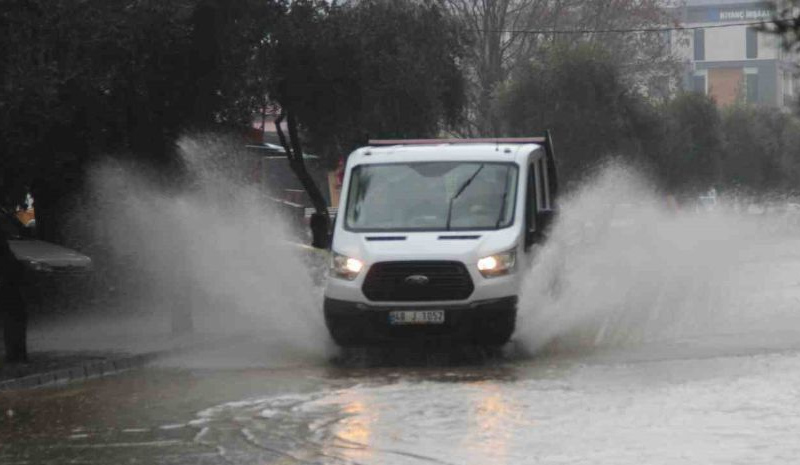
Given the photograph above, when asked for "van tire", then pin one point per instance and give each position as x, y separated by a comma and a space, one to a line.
343, 332
496, 331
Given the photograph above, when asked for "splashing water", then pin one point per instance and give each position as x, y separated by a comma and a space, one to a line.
624, 268
217, 246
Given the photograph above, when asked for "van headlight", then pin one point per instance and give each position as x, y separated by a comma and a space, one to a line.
345, 267
498, 264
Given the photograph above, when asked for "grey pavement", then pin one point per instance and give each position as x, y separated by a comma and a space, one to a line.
89, 346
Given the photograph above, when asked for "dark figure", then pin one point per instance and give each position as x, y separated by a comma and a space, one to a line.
12, 305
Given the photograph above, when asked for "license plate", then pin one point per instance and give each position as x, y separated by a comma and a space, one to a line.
417, 317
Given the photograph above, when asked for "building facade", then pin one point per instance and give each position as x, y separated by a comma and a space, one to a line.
728, 58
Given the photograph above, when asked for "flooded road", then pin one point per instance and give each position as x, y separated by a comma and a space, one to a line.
602, 408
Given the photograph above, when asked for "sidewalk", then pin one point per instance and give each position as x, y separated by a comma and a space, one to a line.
95, 346
46, 368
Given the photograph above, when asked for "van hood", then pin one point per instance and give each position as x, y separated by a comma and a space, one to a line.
440, 245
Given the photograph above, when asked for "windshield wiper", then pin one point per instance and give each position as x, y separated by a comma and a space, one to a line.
461, 189
503, 202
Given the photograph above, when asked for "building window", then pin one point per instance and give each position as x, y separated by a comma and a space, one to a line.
752, 42
699, 44
751, 85
699, 82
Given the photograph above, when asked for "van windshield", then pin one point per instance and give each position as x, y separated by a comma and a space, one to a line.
431, 196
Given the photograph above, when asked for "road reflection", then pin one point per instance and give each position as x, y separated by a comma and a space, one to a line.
350, 436
426, 421
487, 435
388, 415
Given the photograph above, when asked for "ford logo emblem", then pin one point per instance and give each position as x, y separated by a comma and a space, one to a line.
417, 280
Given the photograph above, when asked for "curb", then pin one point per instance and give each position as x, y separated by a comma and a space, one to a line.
88, 370
99, 368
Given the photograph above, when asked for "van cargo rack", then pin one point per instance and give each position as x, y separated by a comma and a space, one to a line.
497, 140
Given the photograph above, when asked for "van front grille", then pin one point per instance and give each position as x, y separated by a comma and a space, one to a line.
402, 282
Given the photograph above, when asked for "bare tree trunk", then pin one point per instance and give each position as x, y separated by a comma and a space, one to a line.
497, 48
320, 221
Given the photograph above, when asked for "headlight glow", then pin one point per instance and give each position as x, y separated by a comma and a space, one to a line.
487, 263
353, 265
498, 264
345, 267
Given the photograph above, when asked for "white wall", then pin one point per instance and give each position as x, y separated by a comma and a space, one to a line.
725, 44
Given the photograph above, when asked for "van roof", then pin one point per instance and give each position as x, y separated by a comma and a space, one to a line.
438, 151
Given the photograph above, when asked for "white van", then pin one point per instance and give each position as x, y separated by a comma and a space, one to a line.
432, 237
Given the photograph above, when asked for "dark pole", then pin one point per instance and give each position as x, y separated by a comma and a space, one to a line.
12, 305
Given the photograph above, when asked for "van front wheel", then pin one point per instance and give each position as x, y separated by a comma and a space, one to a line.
344, 331
497, 330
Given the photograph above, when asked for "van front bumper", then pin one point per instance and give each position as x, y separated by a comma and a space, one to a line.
356, 323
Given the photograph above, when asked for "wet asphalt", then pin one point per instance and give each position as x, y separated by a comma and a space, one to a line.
150, 415
447, 406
